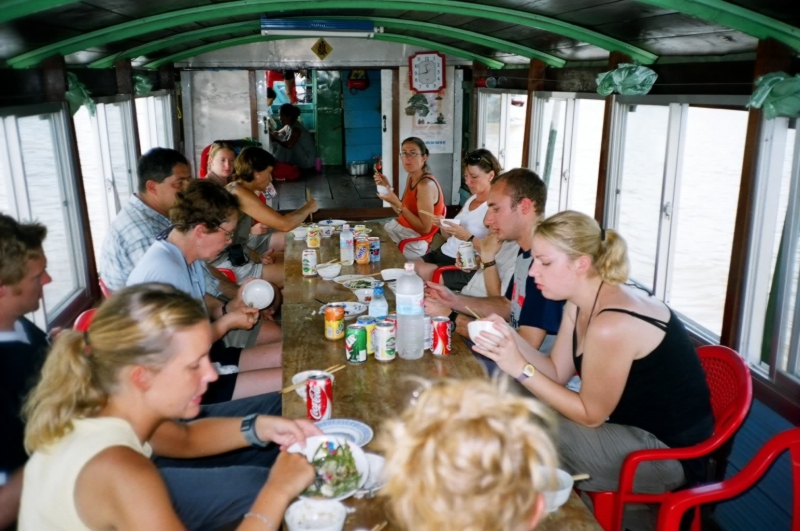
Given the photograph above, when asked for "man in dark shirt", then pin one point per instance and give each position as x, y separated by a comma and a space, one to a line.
23, 347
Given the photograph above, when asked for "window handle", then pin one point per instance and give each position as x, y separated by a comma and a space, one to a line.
384, 123
667, 210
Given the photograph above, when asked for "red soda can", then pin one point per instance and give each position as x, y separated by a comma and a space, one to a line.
392, 318
319, 397
442, 336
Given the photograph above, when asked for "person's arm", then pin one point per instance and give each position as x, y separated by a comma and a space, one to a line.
227, 316
532, 336
489, 248
465, 304
10, 495
227, 288
253, 207
427, 193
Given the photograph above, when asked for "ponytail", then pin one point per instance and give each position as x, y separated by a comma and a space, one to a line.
611, 259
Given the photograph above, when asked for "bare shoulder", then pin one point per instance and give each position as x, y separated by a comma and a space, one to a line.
627, 331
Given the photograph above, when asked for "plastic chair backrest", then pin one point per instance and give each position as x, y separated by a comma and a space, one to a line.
104, 289
228, 273
675, 505
84, 320
203, 170
729, 381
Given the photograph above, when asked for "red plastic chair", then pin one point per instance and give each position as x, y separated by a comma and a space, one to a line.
228, 273
428, 238
84, 320
437, 275
731, 394
104, 289
675, 505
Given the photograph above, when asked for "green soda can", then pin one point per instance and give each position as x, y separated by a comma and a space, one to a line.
369, 324
355, 343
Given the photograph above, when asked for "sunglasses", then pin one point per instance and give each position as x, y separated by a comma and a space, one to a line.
473, 159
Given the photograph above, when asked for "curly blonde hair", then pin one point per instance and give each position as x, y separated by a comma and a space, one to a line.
466, 457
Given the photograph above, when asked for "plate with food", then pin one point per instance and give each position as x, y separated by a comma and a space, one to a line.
353, 430
340, 465
351, 309
341, 279
362, 283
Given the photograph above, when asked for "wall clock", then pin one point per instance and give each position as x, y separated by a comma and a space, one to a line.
426, 71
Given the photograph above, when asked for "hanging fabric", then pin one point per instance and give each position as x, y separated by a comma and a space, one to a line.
77, 95
778, 94
627, 80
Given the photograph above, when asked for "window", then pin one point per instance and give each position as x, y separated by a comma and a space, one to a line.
501, 127
550, 153
38, 183
154, 118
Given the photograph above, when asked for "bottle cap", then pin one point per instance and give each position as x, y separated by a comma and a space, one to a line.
377, 291
409, 267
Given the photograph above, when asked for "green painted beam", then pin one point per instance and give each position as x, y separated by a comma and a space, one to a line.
458, 52
735, 17
13, 9
395, 23
142, 26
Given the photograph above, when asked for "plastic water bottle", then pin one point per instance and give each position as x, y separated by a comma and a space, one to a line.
378, 307
346, 245
410, 320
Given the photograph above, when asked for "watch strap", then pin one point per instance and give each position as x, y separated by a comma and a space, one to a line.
249, 431
527, 371
490, 264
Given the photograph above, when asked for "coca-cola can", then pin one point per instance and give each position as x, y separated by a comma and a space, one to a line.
442, 336
467, 254
428, 332
319, 397
392, 318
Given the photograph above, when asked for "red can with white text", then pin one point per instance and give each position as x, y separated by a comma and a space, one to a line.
392, 318
442, 336
319, 397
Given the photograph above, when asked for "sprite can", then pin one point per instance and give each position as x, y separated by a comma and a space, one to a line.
355, 343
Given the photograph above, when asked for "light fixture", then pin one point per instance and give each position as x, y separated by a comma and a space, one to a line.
318, 28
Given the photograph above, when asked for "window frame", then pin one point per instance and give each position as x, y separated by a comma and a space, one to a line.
152, 125
505, 97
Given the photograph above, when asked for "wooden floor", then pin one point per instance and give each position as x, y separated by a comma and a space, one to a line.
333, 188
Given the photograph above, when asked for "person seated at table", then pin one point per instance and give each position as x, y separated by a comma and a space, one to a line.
491, 281
203, 219
642, 385
293, 143
422, 193
253, 174
480, 168
468, 455
105, 403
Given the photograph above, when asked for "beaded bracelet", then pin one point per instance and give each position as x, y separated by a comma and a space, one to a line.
263, 518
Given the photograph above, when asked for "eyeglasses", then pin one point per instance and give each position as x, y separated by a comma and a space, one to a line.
228, 234
410, 154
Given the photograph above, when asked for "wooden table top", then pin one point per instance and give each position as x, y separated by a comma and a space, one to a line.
373, 391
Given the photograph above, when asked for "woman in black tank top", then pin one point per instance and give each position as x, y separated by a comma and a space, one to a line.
642, 385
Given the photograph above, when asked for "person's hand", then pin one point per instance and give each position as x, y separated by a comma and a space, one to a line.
456, 230
440, 294
285, 432
391, 198
435, 308
242, 318
253, 256
382, 180
268, 258
461, 266
53, 333
291, 474
502, 350
489, 247
268, 314
259, 229
313, 205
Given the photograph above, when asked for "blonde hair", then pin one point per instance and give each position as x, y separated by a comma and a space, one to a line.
216, 147
133, 327
577, 235
466, 457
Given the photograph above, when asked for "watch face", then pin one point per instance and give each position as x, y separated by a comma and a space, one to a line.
427, 72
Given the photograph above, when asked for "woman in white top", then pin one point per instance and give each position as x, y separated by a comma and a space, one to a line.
106, 401
480, 168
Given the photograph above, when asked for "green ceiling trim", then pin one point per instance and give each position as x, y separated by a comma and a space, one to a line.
403, 39
141, 26
735, 17
13, 9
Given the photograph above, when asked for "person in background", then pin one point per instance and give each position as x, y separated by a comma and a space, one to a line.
486, 472
23, 348
105, 404
480, 168
293, 144
422, 193
642, 385
220, 163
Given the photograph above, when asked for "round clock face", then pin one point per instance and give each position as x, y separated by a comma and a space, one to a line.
427, 72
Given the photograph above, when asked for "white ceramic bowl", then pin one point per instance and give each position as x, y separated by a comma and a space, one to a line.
326, 230
364, 295
305, 375
299, 233
375, 480
391, 274
446, 222
476, 327
383, 190
312, 445
329, 272
319, 515
258, 294
556, 486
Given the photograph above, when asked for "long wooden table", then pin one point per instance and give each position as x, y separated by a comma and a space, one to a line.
373, 391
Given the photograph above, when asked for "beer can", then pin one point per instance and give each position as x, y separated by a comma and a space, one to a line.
442, 336
309, 262
313, 236
374, 249
355, 343
368, 323
334, 321
467, 254
385, 341
319, 397
428, 332
362, 251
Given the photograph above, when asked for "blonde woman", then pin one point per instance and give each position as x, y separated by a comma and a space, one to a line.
220, 163
105, 404
642, 385
466, 457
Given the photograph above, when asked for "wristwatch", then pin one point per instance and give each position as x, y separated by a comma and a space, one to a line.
527, 371
249, 431
488, 264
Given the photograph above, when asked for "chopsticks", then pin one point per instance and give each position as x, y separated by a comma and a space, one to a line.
431, 214
580, 477
330, 370
380, 526
475, 314
308, 198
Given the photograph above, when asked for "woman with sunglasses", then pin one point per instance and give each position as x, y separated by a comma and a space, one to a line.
422, 194
480, 168
203, 220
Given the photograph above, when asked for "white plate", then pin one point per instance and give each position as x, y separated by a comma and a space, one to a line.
375, 481
354, 431
341, 279
356, 283
305, 375
392, 274
313, 443
351, 309
334, 222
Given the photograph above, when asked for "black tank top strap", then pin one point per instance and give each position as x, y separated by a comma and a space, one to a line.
661, 325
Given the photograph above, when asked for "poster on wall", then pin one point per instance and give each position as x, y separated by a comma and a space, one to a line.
428, 116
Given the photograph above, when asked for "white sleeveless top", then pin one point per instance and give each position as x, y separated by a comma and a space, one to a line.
472, 221
48, 493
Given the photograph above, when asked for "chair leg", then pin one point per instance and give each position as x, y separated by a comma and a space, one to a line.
603, 503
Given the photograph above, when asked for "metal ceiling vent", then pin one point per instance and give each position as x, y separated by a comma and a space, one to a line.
318, 28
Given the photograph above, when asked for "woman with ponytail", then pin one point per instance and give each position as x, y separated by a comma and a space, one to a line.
642, 385
106, 402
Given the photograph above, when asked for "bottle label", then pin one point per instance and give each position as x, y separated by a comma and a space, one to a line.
346, 242
410, 304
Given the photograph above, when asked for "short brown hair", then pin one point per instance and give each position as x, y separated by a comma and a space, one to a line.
203, 203
251, 160
523, 183
19, 243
